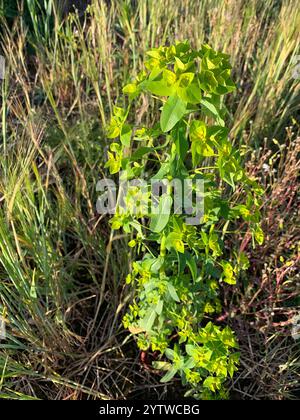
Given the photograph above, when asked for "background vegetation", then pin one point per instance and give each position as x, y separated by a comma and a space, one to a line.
63, 317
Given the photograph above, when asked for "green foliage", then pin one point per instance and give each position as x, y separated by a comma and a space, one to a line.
173, 110
37, 16
177, 281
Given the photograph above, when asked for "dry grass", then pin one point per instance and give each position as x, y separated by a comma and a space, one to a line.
263, 309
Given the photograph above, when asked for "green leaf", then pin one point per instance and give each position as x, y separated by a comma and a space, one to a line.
147, 322
208, 82
243, 261
154, 53
131, 90
160, 220
210, 108
188, 90
181, 262
169, 375
161, 365
157, 264
113, 129
190, 363
159, 88
163, 171
179, 64
213, 243
212, 383
33, 293
125, 136
259, 235
181, 141
190, 349
172, 112
174, 241
198, 132
193, 94
190, 260
173, 293
159, 307
185, 80
228, 273
119, 112
170, 353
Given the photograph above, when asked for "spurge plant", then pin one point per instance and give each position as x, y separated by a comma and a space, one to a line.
180, 267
